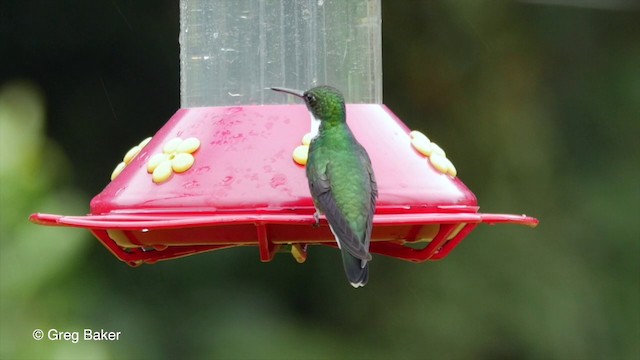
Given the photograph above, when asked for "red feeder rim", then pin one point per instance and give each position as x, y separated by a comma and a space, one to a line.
230, 180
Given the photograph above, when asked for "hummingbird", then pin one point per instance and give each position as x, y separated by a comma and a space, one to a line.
341, 180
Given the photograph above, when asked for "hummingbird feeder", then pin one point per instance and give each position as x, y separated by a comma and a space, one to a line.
228, 170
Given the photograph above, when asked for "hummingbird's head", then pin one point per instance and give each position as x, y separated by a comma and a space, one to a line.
325, 102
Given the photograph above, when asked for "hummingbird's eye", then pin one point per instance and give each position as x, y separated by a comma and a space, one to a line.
311, 99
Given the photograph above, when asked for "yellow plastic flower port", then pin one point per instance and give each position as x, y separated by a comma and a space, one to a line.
301, 153
437, 156
128, 157
176, 156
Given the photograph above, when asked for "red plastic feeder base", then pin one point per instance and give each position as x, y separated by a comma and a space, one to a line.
219, 177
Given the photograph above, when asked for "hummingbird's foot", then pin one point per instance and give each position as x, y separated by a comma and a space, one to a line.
316, 217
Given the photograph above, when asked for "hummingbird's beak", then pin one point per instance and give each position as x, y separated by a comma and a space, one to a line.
297, 93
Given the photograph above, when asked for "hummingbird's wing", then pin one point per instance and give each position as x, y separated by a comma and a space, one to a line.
320, 187
364, 157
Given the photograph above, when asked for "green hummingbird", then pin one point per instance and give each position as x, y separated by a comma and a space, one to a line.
341, 180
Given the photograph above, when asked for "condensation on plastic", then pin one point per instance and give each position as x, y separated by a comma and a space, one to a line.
232, 51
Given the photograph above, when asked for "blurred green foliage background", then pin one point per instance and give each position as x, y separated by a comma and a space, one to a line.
537, 104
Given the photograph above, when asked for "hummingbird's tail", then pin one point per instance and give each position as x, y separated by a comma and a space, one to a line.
357, 270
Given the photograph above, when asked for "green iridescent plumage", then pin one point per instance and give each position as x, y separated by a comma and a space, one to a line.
341, 180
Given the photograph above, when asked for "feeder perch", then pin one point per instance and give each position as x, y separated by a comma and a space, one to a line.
227, 169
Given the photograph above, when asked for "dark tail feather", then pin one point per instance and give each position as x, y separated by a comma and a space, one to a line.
356, 274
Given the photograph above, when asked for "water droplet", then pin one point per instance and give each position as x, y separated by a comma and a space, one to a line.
190, 184
203, 169
227, 180
278, 180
